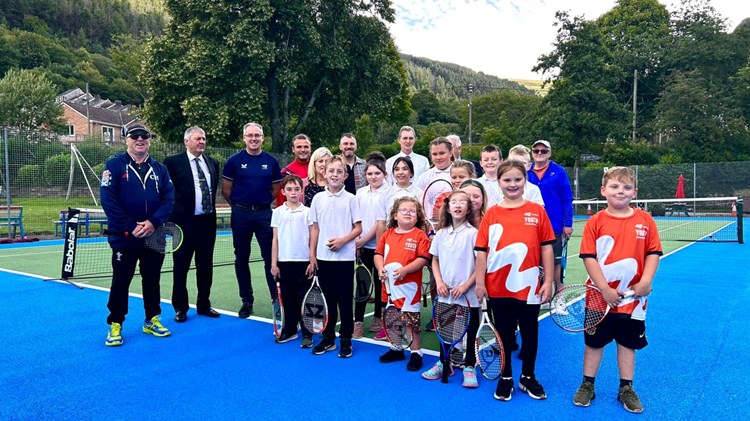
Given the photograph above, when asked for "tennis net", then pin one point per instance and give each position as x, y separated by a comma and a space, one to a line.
93, 256
699, 219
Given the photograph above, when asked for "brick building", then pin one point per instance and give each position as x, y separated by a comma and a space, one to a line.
87, 115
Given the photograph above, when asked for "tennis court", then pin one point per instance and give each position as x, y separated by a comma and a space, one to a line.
56, 366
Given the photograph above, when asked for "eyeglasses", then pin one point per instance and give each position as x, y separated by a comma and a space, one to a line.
541, 151
140, 136
410, 212
458, 203
253, 135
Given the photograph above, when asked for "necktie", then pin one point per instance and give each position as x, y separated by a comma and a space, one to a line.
205, 193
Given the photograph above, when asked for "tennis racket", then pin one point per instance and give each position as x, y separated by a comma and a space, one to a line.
278, 311
166, 238
489, 347
315, 308
363, 285
434, 197
451, 322
428, 283
396, 328
579, 307
563, 259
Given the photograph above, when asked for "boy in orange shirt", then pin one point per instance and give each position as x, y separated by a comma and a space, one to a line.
620, 250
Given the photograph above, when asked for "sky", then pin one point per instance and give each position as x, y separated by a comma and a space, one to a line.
504, 38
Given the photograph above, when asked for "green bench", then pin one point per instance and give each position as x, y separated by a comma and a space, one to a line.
11, 217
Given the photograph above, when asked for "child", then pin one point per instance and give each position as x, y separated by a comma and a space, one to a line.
371, 200
625, 238
531, 191
335, 223
406, 243
453, 267
402, 174
460, 171
442, 159
478, 196
290, 254
514, 237
490, 158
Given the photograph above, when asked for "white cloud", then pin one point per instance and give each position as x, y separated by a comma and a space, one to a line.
500, 37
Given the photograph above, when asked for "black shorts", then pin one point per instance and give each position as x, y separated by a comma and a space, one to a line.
625, 331
557, 248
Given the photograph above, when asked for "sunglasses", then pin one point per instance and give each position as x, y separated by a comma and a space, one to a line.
141, 136
540, 151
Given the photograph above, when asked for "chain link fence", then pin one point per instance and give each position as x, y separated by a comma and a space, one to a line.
45, 174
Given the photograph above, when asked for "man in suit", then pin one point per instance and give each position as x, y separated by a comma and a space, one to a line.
456, 142
195, 176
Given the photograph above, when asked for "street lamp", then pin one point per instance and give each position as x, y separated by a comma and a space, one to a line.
471, 90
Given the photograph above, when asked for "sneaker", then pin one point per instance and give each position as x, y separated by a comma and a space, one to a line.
470, 378
376, 325
415, 362
584, 395
359, 330
430, 326
629, 399
324, 346
286, 338
380, 336
306, 342
435, 372
346, 348
154, 327
532, 387
114, 337
504, 390
246, 310
392, 356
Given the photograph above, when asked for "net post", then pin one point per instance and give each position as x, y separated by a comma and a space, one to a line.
740, 218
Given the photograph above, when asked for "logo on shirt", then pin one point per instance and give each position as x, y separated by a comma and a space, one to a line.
264, 167
106, 178
411, 244
530, 218
641, 231
243, 166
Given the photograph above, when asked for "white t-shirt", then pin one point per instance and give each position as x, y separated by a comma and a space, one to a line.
335, 215
431, 175
293, 229
421, 164
455, 251
372, 209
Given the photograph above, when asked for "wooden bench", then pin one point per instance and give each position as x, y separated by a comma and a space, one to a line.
12, 218
87, 218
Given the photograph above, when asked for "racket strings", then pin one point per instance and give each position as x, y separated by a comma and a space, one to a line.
451, 321
577, 309
489, 352
364, 284
314, 311
395, 326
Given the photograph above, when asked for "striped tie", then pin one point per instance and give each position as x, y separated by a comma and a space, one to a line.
205, 193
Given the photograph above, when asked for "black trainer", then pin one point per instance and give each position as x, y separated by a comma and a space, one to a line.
346, 348
324, 346
415, 362
532, 387
504, 390
246, 310
392, 356
286, 338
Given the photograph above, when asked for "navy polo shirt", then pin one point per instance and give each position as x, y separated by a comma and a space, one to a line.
252, 177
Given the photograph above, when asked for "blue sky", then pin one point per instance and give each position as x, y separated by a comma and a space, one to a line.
501, 37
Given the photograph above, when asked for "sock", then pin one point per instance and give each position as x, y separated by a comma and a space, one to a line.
624, 382
592, 379
418, 351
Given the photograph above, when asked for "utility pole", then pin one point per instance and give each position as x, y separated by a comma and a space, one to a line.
635, 100
471, 90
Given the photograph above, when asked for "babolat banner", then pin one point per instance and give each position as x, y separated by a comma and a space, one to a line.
70, 236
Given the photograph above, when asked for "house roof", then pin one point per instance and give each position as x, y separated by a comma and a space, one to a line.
100, 110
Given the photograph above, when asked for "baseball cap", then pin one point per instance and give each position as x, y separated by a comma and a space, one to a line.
542, 142
137, 129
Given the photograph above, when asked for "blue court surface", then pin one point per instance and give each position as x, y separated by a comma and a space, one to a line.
55, 364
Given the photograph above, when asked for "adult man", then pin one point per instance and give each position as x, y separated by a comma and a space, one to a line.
456, 142
137, 196
355, 166
557, 194
442, 159
301, 148
407, 138
250, 183
196, 177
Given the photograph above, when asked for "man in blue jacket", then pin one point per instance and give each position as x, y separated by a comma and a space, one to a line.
552, 180
137, 196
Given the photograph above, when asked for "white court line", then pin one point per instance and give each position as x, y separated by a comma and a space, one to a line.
32, 254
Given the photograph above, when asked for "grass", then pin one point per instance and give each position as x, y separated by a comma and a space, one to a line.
40, 212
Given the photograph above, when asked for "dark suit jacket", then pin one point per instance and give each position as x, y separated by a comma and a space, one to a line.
181, 173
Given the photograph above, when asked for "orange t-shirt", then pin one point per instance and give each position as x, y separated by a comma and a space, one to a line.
620, 246
512, 238
404, 248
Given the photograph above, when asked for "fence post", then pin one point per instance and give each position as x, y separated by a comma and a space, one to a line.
7, 176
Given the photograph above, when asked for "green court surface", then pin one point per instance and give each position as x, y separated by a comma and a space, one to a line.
45, 259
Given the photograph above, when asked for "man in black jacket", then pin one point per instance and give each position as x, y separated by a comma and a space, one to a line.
195, 176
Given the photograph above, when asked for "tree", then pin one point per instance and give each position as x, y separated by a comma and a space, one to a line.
288, 64
27, 101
